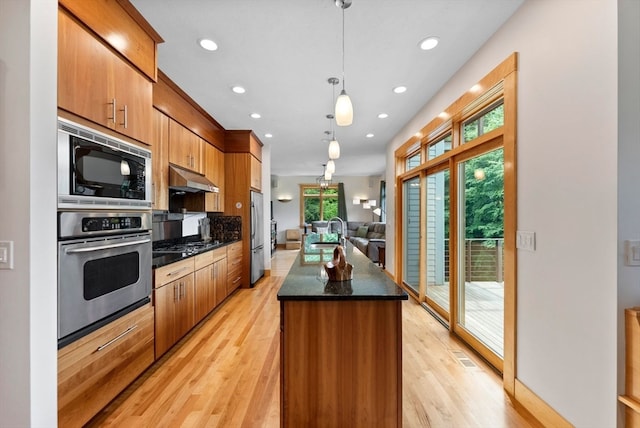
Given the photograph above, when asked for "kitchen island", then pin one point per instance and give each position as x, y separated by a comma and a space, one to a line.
341, 344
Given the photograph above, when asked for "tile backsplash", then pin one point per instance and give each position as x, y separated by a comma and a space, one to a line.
226, 228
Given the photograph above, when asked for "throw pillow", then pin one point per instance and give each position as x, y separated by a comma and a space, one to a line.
362, 231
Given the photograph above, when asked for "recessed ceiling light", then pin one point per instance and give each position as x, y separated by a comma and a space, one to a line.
428, 43
267, 135
256, 115
208, 44
369, 135
383, 116
400, 89
238, 90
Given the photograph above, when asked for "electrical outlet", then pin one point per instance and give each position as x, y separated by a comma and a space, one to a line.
526, 240
6, 254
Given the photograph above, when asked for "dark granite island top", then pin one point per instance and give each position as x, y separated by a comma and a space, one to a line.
306, 279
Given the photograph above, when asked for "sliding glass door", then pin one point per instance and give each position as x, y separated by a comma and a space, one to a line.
480, 288
437, 242
411, 233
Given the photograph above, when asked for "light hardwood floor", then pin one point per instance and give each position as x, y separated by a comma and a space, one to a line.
225, 372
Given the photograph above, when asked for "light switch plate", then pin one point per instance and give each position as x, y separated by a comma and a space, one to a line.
526, 240
632, 253
6, 254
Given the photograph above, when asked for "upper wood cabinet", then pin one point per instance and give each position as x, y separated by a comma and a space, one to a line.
185, 147
214, 171
123, 28
256, 174
160, 158
241, 141
95, 83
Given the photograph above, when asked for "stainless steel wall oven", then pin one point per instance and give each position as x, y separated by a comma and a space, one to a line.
104, 269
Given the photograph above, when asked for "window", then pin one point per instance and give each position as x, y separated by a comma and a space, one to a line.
318, 204
487, 121
413, 161
439, 147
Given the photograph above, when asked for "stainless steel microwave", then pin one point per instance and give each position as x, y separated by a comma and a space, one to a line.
96, 170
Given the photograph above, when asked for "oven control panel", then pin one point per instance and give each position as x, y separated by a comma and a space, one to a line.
95, 224
74, 224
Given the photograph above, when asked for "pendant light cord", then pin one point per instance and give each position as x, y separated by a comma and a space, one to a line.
343, 46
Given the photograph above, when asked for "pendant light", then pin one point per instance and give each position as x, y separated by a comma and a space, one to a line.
344, 107
331, 166
334, 146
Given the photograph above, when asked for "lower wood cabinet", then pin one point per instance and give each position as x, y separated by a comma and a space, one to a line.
210, 286
174, 312
234, 267
341, 363
93, 370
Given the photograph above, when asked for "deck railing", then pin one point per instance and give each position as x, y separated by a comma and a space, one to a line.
484, 259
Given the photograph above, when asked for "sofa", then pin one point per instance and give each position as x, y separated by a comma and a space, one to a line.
367, 237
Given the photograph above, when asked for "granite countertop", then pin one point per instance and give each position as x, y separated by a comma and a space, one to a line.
163, 259
306, 279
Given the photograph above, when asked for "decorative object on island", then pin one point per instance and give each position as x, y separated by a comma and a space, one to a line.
338, 269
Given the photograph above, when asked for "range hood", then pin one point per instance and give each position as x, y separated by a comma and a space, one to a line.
187, 181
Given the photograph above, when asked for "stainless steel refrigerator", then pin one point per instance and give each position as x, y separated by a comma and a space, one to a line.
257, 237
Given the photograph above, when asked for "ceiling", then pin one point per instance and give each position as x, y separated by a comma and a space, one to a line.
283, 52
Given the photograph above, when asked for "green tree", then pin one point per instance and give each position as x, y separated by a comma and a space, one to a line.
484, 195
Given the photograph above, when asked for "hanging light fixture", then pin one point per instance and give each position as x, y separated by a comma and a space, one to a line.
334, 146
331, 166
344, 107
324, 181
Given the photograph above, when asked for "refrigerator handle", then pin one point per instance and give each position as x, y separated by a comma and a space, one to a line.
253, 221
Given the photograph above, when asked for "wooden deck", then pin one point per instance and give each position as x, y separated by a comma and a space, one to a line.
483, 309
226, 373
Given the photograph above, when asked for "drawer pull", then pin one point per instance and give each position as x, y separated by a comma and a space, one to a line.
177, 271
120, 336
237, 279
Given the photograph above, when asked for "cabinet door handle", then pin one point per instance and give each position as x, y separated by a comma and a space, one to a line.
175, 293
118, 337
113, 110
125, 119
182, 293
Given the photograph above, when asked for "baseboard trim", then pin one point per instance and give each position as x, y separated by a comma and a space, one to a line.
540, 410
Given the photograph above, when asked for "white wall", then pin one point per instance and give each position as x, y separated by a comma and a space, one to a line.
287, 214
567, 184
28, 58
628, 161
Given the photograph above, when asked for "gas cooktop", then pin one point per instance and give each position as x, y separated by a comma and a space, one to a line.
185, 248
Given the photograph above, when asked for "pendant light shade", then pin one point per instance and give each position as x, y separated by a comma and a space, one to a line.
331, 167
344, 109
334, 149
327, 175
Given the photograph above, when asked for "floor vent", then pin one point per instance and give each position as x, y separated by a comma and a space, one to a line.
463, 359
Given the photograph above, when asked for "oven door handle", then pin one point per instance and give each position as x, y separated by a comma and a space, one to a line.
105, 247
